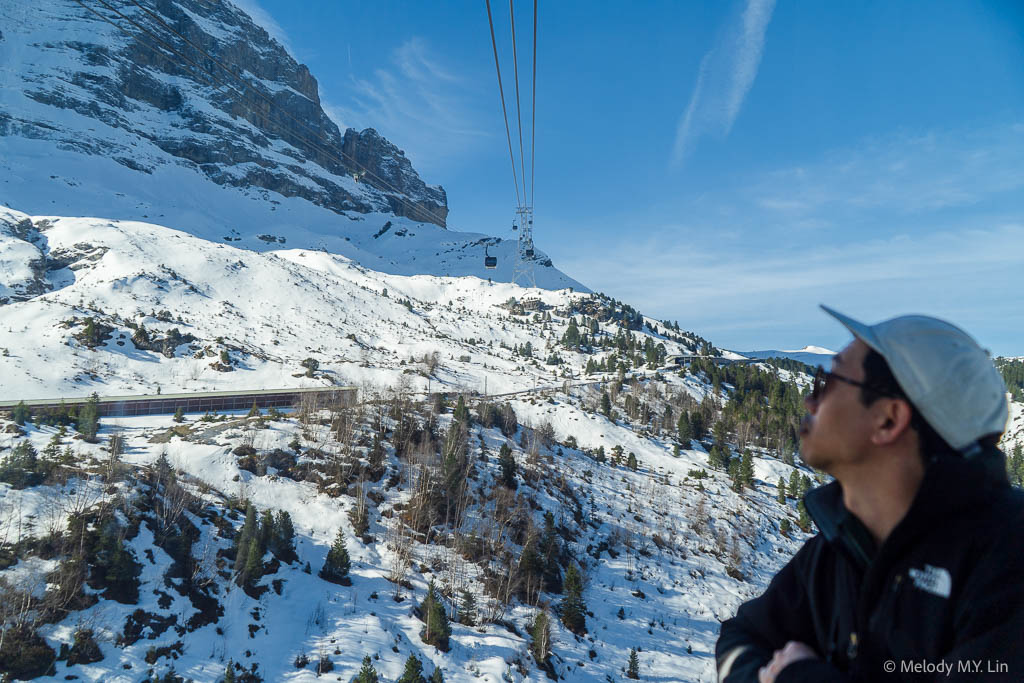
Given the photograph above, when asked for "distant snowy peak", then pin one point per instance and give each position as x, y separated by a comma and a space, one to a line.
195, 84
811, 355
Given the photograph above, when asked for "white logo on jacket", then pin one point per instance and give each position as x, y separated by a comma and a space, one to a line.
934, 580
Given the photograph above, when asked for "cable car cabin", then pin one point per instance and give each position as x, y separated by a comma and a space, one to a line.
529, 252
515, 227
490, 262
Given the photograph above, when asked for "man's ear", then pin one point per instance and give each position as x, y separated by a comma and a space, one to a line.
892, 420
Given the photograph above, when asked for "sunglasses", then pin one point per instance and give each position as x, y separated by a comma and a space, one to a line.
823, 379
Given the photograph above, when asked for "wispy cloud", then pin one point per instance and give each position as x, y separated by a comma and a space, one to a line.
901, 174
419, 103
771, 299
726, 75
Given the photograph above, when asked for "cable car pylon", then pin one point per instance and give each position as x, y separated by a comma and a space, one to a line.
523, 267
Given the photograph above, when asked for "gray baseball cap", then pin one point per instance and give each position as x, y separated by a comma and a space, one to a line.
949, 378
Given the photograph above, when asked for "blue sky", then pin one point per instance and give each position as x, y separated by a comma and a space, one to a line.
728, 165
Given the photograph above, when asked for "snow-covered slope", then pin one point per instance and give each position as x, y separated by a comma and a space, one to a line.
665, 554
122, 307
268, 310
120, 120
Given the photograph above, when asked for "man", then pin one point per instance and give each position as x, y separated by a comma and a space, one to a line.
918, 570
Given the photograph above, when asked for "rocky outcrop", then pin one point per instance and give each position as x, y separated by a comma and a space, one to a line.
153, 76
386, 168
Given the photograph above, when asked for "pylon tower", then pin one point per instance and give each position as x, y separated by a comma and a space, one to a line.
522, 270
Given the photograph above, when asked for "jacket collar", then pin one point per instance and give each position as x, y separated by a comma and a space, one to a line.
950, 485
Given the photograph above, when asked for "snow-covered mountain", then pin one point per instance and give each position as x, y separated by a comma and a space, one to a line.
667, 547
810, 355
126, 112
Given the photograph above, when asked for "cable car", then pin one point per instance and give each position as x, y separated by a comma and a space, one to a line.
490, 262
529, 251
515, 227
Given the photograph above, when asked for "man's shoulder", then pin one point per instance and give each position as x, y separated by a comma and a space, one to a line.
1003, 517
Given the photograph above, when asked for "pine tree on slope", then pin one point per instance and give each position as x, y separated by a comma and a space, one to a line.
337, 563
413, 671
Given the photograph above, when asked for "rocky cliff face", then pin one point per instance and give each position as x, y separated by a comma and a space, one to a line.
143, 84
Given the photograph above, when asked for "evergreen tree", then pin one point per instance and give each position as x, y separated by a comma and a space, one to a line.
550, 553
461, 414
179, 414
805, 519
437, 676
254, 411
90, 335
253, 562
794, 484
337, 563
747, 468
782, 491
631, 462
21, 413
735, 476
697, 425
573, 609
229, 672
245, 537
720, 432
540, 632
282, 543
508, 466
266, 534
785, 527
633, 670
684, 429
571, 338
719, 457
367, 674
89, 418
437, 630
606, 405
413, 671
467, 609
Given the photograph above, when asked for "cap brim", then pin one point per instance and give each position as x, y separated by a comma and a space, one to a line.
859, 329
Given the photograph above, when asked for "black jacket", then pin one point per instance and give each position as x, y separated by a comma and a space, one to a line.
942, 598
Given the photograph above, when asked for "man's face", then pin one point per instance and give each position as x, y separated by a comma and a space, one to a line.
836, 430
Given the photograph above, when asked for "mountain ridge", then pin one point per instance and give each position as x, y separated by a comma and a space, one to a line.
99, 122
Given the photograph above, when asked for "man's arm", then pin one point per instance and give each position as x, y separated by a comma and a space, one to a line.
765, 624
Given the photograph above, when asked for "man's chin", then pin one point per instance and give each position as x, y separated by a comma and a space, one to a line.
809, 458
